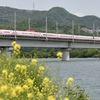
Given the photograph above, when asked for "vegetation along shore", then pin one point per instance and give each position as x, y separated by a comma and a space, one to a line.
21, 80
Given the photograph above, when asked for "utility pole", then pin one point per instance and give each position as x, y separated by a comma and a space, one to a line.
46, 29
15, 24
73, 29
97, 30
93, 30
29, 24
56, 27
15, 21
78, 29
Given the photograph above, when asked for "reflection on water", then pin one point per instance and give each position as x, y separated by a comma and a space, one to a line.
86, 72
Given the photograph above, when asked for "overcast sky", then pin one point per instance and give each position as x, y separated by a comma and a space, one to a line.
78, 7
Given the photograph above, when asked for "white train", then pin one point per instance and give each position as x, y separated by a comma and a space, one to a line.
31, 34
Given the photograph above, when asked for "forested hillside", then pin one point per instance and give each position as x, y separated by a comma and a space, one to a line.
56, 14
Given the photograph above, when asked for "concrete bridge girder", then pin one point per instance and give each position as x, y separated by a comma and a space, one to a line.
66, 45
55, 44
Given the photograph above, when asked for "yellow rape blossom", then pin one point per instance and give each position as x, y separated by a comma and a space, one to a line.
36, 88
3, 88
34, 61
13, 43
29, 82
29, 95
51, 98
25, 87
23, 69
5, 72
66, 98
40, 95
70, 80
46, 80
1, 99
18, 89
17, 47
41, 68
13, 93
11, 74
17, 67
59, 54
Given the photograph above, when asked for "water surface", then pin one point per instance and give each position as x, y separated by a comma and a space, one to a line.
86, 73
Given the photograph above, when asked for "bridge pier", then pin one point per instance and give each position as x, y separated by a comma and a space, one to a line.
65, 54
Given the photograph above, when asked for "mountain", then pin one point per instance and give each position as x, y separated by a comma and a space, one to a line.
60, 15
56, 14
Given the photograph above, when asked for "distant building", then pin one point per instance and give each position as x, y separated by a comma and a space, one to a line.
86, 29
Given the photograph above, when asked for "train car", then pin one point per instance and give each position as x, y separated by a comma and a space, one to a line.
33, 34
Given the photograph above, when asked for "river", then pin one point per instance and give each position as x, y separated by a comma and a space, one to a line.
85, 71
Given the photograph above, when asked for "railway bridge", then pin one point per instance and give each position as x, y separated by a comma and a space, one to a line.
65, 44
